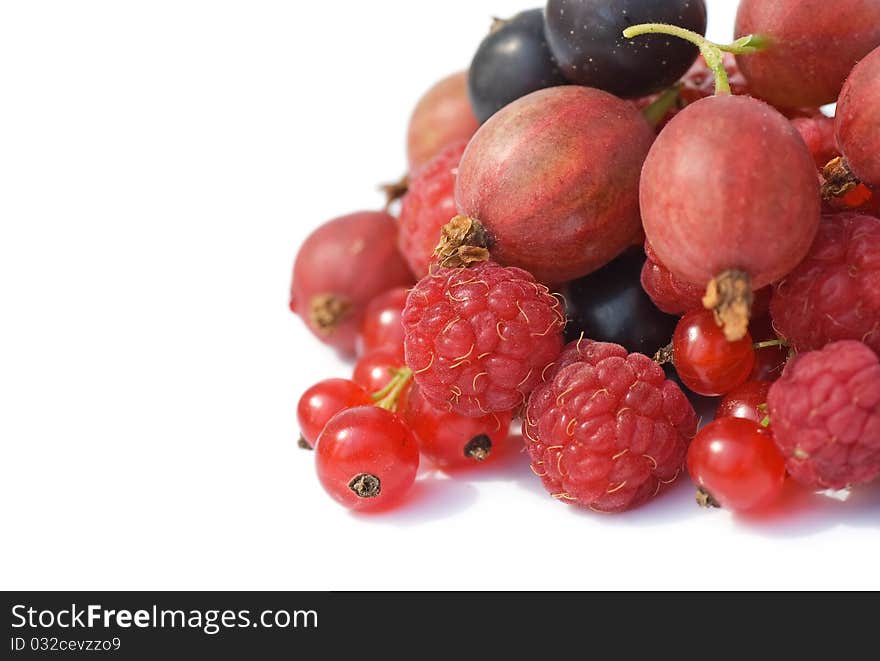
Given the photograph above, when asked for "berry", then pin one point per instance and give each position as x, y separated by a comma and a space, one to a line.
450, 440
825, 416
381, 326
375, 369
818, 134
859, 199
670, 294
747, 401
585, 37
512, 61
675, 296
478, 338
811, 47
324, 400
366, 458
705, 360
609, 305
764, 160
606, 430
770, 358
442, 116
857, 122
834, 294
761, 302
735, 462
427, 206
553, 177
340, 268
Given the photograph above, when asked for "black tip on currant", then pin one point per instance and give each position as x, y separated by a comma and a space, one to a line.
365, 485
478, 448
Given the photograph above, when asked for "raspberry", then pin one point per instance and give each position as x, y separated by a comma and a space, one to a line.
669, 293
606, 430
427, 206
818, 133
825, 416
834, 294
478, 338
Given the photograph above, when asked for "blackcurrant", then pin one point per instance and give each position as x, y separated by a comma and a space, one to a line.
610, 305
585, 37
512, 61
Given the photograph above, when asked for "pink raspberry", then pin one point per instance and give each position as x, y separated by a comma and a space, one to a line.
478, 338
427, 206
818, 133
825, 416
607, 430
834, 294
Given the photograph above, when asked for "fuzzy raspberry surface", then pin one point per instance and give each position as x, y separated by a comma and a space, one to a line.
478, 338
818, 133
825, 416
834, 294
669, 293
607, 430
427, 206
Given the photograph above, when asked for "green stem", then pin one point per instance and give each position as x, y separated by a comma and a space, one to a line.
770, 343
713, 53
388, 396
655, 111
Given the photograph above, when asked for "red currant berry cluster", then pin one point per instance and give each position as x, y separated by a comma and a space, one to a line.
651, 196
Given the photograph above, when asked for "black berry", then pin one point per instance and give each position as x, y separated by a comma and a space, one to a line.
586, 39
512, 61
610, 305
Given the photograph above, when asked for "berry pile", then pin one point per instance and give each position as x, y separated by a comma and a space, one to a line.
680, 212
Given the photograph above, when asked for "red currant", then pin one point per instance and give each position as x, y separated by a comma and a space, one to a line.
381, 326
747, 401
374, 370
367, 458
736, 463
705, 360
451, 440
769, 360
324, 400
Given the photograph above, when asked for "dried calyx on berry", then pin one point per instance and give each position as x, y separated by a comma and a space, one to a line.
729, 296
463, 241
477, 334
837, 179
327, 311
478, 448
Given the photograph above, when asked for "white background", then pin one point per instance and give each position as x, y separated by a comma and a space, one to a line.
160, 162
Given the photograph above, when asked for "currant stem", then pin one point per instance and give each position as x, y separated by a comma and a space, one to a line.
713, 53
657, 109
770, 343
388, 396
